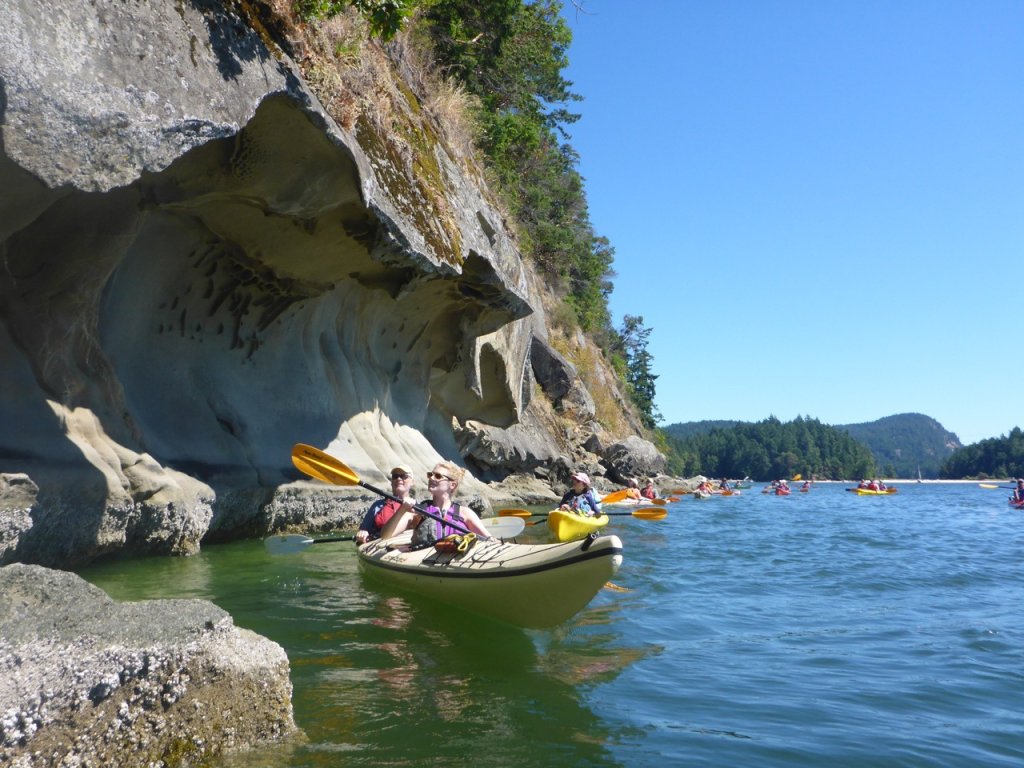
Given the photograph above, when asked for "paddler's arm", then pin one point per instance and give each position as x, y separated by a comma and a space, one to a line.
401, 521
474, 523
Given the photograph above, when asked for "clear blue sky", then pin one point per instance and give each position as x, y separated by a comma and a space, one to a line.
818, 207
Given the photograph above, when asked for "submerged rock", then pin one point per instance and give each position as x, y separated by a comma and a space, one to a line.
88, 681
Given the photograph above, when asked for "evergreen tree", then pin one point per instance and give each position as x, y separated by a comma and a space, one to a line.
639, 377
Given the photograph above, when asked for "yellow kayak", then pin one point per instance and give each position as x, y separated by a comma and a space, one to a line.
569, 526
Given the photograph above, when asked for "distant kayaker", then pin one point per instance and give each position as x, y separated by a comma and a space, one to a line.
633, 489
442, 483
382, 510
649, 491
1018, 492
580, 497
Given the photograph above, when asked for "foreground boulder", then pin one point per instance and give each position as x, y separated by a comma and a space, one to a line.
88, 681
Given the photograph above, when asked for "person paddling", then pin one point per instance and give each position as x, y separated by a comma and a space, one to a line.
442, 483
580, 498
382, 510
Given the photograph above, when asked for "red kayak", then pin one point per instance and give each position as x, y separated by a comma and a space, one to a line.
1017, 504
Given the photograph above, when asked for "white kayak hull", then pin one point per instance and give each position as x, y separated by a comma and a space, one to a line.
528, 585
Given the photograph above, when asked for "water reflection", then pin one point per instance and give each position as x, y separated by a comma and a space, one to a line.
384, 678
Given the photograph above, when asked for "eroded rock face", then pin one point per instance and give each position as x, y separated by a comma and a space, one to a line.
199, 268
87, 681
633, 458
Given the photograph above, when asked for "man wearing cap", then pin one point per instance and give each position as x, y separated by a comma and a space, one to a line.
380, 511
580, 498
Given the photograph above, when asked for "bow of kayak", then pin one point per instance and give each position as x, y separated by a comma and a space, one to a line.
570, 526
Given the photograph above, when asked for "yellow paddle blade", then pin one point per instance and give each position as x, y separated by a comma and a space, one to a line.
797, 476
614, 496
514, 513
681, 491
672, 499
651, 513
659, 502
315, 463
988, 485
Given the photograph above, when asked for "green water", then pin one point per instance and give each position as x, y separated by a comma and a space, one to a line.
382, 679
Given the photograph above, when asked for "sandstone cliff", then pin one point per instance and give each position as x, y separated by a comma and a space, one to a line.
201, 264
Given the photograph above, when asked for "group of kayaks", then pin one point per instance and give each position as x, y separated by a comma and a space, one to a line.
533, 585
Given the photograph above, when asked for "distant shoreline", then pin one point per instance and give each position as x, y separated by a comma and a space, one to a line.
914, 480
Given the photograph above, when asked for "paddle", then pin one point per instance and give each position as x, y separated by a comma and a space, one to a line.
515, 513
645, 513
296, 542
1004, 487
325, 467
614, 496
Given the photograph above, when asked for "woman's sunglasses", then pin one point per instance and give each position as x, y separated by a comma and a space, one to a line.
400, 476
437, 476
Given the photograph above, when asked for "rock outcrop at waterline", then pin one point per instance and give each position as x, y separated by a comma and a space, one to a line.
200, 267
87, 681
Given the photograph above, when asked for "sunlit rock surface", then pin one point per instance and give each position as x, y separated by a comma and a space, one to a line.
88, 681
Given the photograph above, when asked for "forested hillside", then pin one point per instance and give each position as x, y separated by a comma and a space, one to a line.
771, 449
1001, 457
906, 442
900, 444
690, 428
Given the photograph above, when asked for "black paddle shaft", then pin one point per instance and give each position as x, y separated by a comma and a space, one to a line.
418, 508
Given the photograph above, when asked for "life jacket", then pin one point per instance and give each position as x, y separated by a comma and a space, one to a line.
430, 530
583, 502
384, 513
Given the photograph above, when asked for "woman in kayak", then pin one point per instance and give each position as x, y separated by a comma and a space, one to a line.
442, 483
1018, 492
580, 498
382, 510
648, 491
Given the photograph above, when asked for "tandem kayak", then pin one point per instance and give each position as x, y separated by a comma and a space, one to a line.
869, 492
570, 526
1017, 504
528, 585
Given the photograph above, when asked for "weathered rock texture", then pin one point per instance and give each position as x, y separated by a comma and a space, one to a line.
199, 267
86, 681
